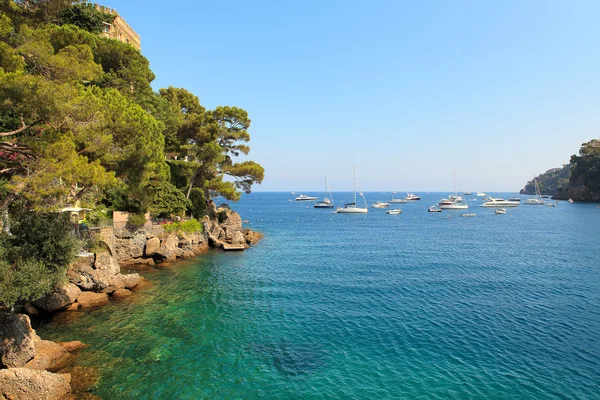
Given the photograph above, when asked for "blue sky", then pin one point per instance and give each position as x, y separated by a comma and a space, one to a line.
407, 91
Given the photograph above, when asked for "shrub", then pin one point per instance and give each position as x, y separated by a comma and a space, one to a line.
136, 221
189, 226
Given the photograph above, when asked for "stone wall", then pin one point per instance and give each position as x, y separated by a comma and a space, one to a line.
120, 29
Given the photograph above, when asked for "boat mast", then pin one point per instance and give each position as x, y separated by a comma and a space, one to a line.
354, 175
455, 192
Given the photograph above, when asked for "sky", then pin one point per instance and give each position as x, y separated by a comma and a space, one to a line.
407, 91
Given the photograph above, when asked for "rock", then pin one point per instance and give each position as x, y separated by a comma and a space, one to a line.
252, 237
49, 356
91, 299
152, 245
73, 307
59, 299
229, 220
75, 345
27, 384
188, 254
131, 247
30, 309
169, 248
95, 276
119, 294
128, 281
238, 238
16, 340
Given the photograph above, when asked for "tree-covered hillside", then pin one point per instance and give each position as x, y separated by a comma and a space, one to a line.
550, 181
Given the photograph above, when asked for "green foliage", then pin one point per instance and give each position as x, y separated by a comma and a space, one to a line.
167, 199
98, 215
189, 226
136, 221
586, 166
86, 17
550, 181
199, 203
43, 237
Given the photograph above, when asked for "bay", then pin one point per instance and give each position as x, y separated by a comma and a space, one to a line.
417, 305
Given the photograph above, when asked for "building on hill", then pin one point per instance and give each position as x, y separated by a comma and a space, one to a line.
119, 29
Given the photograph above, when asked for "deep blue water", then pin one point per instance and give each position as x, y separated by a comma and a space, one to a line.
413, 306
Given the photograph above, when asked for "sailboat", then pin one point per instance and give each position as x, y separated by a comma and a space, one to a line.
351, 208
455, 202
327, 200
538, 201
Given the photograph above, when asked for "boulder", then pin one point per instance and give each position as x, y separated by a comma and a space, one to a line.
152, 245
49, 356
91, 299
73, 307
188, 254
120, 281
75, 345
27, 384
80, 272
229, 220
59, 299
16, 340
238, 238
130, 247
106, 265
169, 248
30, 309
252, 237
121, 293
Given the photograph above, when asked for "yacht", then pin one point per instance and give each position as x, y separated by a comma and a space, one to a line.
501, 211
394, 211
350, 208
434, 209
454, 202
303, 197
468, 215
395, 200
492, 202
468, 193
379, 204
515, 199
551, 204
327, 201
410, 196
538, 201
480, 194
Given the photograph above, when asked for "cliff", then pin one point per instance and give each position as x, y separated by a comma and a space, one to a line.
584, 182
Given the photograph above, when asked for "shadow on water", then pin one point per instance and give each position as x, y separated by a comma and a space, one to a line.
291, 359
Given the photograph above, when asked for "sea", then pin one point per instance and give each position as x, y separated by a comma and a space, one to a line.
372, 306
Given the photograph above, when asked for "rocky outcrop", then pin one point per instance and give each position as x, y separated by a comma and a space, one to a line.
252, 237
72, 346
49, 356
577, 193
152, 245
121, 293
91, 299
226, 229
27, 384
60, 298
16, 340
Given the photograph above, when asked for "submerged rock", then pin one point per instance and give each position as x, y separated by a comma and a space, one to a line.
49, 356
91, 299
28, 384
16, 340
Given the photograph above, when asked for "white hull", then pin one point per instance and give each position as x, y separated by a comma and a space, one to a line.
393, 212
402, 201
306, 198
454, 206
501, 204
535, 202
352, 210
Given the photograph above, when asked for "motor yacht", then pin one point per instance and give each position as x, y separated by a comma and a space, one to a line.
434, 209
410, 196
500, 211
493, 202
303, 197
395, 200
380, 204
480, 194
394, 211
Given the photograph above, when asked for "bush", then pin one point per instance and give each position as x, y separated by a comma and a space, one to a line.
189, 226
136, 221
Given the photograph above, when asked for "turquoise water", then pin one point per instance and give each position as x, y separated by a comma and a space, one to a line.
376, 306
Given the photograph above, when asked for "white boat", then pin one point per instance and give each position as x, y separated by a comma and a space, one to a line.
493, 202
395, 200
570, 200
394, 211
538, 201
468, 215
327, 201
411, 196
434, 209
468, 193
303, 197
380, 204
551, 204
480, 194
454, 202
350, 208
500, 211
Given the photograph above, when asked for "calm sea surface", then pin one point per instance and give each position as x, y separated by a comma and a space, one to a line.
412, 306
